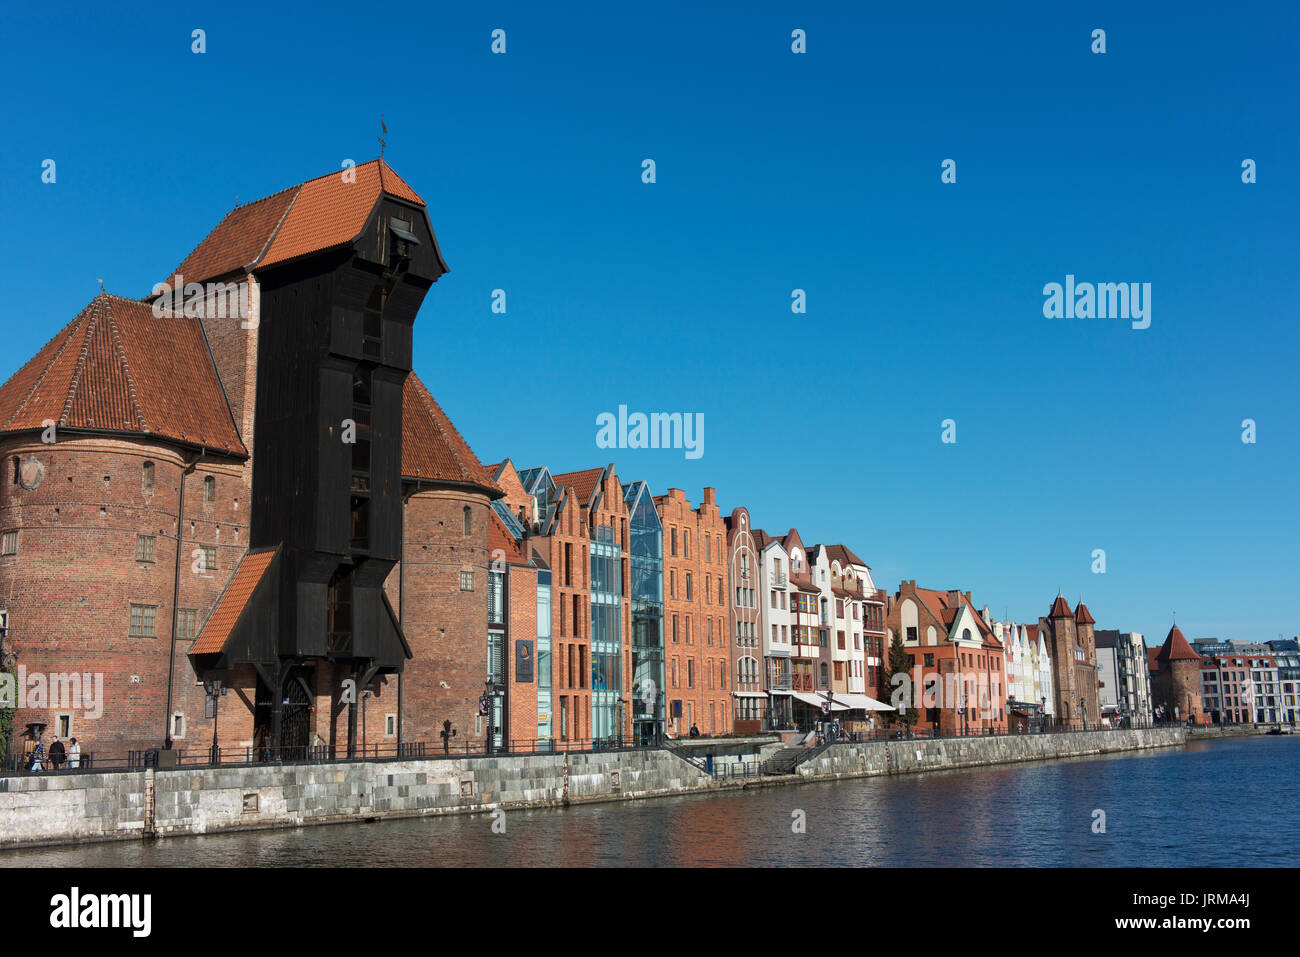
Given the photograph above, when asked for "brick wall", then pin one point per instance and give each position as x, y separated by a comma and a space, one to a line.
70, 588
445, 625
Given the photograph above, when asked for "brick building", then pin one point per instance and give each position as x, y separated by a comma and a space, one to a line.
958, 674
1072, 649
744, 617
216, 494
696, 613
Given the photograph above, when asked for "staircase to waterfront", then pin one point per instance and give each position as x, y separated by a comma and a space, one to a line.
790, 757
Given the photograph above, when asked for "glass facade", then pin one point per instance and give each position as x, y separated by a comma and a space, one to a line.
606, 632
645, 546
544, 702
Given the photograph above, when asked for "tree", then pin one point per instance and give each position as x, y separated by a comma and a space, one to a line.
900, 663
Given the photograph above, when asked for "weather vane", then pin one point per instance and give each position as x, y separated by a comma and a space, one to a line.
382, 141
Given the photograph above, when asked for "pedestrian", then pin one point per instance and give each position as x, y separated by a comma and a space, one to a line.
695, 731
57, 753
74, 755
37, 757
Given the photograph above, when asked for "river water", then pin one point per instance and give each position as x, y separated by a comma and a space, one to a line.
1224, 803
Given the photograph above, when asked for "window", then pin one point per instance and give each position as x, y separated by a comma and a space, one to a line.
186, 622
209, 489
674, 541
688, 587
390, 726
467, 520
146, 476
688, 629
9, 543
64, 726
466, 581
142, 621
144, 548
690, 672
178, 725
686, 544
209, 557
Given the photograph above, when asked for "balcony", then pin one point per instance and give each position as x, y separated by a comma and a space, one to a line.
779, 580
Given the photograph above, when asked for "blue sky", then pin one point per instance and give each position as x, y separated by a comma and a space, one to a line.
775, 171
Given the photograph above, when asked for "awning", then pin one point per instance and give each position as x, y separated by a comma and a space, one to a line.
749, 694
817, 701
781, 692
861, 702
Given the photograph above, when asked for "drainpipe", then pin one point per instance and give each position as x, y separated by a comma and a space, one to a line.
401, 613
176, 593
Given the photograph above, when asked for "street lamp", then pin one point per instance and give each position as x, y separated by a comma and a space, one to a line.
215, 689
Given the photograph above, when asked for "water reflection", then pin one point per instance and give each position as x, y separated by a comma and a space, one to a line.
1177, 807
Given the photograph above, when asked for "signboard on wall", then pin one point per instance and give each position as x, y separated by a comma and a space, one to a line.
523, 660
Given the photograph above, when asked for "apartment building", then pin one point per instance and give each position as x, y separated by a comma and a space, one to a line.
744, 616
696, 614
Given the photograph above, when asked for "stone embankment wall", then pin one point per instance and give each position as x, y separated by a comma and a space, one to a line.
61, 808
904, 757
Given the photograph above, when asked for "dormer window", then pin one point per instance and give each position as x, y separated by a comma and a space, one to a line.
404, 240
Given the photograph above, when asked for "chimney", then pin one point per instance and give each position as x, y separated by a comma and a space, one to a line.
710, 496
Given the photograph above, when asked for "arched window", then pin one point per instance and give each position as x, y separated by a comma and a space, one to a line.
209, 489
965, 634
465, 515
146, 476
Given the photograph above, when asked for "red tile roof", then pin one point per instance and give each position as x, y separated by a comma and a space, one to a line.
843, 555
432, 449
118, 368
1176, 648
583, 483
319, 214
1060, 608
230, 606
1082, 616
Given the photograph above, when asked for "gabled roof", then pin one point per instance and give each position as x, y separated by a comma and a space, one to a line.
1082, 616
844, 556
432, 449
937, 604
319, 214
582, 483
119, 368
1176, 648
1060, 608
230, 606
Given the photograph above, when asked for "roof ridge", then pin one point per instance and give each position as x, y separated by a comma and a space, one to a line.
82, 357
22, 406
278, 226
126, 369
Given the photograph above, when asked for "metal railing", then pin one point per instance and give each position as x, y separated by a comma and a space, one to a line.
96, 762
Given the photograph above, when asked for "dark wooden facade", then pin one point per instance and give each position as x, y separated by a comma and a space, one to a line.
334, 349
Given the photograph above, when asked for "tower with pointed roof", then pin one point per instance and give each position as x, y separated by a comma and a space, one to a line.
1176, 679
1071, 643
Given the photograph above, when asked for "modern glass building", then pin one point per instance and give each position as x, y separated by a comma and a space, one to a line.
544, 702
645, 546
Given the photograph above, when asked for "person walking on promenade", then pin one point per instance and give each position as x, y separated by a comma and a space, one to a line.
37, 757
57, 753
74, 755
695, 731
